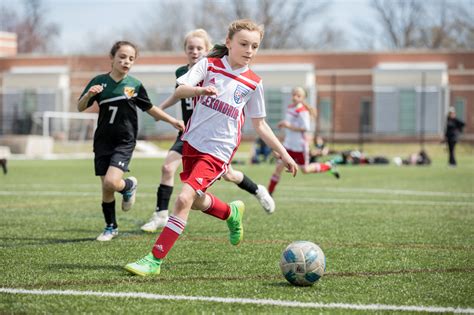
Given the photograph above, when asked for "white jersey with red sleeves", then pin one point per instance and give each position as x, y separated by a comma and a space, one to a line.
297, 115
216, 123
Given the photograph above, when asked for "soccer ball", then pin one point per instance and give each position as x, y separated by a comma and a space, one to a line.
303, 263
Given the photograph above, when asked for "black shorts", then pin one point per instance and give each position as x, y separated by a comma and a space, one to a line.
177, 145
119, 159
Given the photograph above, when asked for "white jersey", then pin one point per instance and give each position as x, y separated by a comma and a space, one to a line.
216, 123
297, 115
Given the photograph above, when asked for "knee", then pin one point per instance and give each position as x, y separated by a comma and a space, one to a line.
200, 203
277, 172
304, 170
110, 184
183, 200
229, 177
167, 170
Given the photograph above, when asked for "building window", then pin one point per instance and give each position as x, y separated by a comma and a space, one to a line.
325, 116
407, 117
19, 106
460, 106
274, 106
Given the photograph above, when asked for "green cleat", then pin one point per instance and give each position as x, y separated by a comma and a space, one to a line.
147, 266
234, 222
333, 170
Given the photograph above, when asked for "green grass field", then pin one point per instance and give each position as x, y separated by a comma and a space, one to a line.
397, 236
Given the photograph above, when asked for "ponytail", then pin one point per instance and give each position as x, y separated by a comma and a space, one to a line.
218, 51
311, 110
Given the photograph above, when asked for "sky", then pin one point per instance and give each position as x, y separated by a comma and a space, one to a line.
81, 20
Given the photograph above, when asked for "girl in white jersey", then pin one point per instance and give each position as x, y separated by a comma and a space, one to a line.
196, 45
297, 123
224, 85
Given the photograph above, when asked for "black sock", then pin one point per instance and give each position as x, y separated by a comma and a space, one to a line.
128, 185
163, 196
108, 209
248, 185
3, 162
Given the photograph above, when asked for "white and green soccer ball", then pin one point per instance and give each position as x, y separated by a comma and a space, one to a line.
303, 263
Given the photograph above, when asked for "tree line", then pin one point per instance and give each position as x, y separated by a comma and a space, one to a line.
289, 24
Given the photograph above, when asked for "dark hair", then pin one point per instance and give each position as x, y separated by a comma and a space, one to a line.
121, 43
220, 50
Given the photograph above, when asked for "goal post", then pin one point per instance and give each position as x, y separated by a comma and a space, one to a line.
65, 125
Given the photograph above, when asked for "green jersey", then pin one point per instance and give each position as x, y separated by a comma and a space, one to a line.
187, 105
117, 125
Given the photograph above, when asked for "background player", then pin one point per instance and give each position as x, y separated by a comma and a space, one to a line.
118, 95
297, 123
196, 44
213, 135
452, 132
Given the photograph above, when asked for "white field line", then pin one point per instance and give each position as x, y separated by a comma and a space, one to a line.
398, 192
287, 198
151, 296
360, 190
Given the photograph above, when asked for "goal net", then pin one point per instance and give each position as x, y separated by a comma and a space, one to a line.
65, 126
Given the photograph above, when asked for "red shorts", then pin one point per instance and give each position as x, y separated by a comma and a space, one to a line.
200, 170
301, 158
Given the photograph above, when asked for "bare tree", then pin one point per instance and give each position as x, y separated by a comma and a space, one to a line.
34, 32
8, 18
461, 26
400, 21
435, 24
288, 23
165, 25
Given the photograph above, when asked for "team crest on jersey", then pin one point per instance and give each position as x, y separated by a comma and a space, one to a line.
128, 91
240, 93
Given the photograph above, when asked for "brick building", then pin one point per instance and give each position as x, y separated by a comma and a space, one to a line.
377, 95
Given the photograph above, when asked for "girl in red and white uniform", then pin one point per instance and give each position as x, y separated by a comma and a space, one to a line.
297, 124
227, 92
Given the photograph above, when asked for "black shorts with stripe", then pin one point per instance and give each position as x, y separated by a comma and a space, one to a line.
177, 145
120, 158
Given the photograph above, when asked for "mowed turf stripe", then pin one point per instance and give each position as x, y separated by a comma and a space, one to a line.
269, 302
288, 198
360, 190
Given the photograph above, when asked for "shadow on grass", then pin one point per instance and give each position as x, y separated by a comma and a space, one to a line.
8, 242
82, 267
29, 241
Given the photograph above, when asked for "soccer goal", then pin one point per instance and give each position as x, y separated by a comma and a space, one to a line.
65, 126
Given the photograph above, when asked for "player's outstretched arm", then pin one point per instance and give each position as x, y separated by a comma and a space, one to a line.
185, 91
160, 114
285, 124
170, 101
84, 100
267, 135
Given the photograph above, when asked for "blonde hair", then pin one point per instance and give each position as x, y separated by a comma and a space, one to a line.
199, 33
302, 91
220, 50
244, 24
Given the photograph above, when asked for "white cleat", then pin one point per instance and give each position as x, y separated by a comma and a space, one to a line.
108, 234
128, 197
266, 201
157, 221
